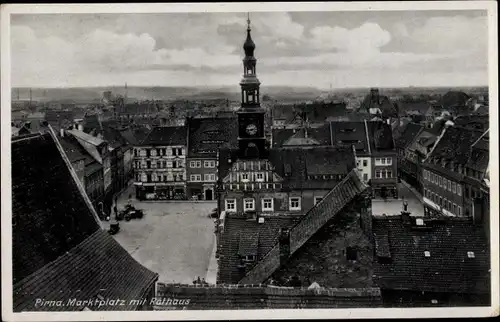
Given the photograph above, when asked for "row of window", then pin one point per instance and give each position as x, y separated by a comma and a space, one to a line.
206, 164
294, 204
159, 152
383, 173
162, 164
159, 177
443, 182
383, 161
443, 202
207, 177
252, 186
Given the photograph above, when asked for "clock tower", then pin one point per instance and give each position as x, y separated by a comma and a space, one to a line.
251, 136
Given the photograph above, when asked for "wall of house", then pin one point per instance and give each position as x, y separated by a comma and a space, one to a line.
155, 172
438, 190
366, 170
206, 176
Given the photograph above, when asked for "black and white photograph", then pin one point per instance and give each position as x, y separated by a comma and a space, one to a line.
254, 160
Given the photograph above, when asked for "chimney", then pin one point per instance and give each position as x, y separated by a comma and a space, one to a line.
284, 244
62, 133
80, 127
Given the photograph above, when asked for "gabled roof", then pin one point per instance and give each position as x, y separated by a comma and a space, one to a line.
93, 145
447, 269
409, 134
206, 135
166, 135
61, 252
330, 206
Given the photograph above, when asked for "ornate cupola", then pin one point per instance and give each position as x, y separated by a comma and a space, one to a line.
251, 136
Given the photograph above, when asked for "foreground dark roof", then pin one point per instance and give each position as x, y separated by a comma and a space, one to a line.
448, 269
207, 135
234, 297
49, 214
97, 267
166, 135
477, 122
61, 252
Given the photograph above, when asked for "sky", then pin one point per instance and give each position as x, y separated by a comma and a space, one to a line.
313, 49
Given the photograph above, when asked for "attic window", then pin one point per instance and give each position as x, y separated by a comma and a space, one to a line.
420, 222
471, 255
433, 301
427, 253
250, 258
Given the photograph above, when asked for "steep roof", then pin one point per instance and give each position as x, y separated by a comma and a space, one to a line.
330, 206
262, 297
206, 135
454, 145
166, 135
242, 235
409, 134
350, 133
61, 252
447, 269
44, 227
134, 134
97, 268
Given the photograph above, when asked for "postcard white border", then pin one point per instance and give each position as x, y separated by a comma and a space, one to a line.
6, 204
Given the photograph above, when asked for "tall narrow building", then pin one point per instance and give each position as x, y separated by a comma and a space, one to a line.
251, 136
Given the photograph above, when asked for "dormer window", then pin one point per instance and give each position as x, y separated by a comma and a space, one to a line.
250, 258
420, 222
427, 253
471, 255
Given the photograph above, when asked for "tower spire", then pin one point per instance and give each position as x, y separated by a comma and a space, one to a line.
248, 21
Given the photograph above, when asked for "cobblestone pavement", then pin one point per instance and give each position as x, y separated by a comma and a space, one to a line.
174, 239
394, 206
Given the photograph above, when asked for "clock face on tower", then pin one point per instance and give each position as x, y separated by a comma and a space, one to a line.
251, 129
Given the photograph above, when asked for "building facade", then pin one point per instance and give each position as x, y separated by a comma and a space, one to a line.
452, 172
160, 164
206, 136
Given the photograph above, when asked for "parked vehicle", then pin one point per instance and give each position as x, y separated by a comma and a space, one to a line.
130, 212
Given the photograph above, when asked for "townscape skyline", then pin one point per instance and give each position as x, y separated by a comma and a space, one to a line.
298, 49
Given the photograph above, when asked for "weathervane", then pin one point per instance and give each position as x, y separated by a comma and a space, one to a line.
248, 20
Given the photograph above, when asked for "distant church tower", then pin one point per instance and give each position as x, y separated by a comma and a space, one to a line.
251, 136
